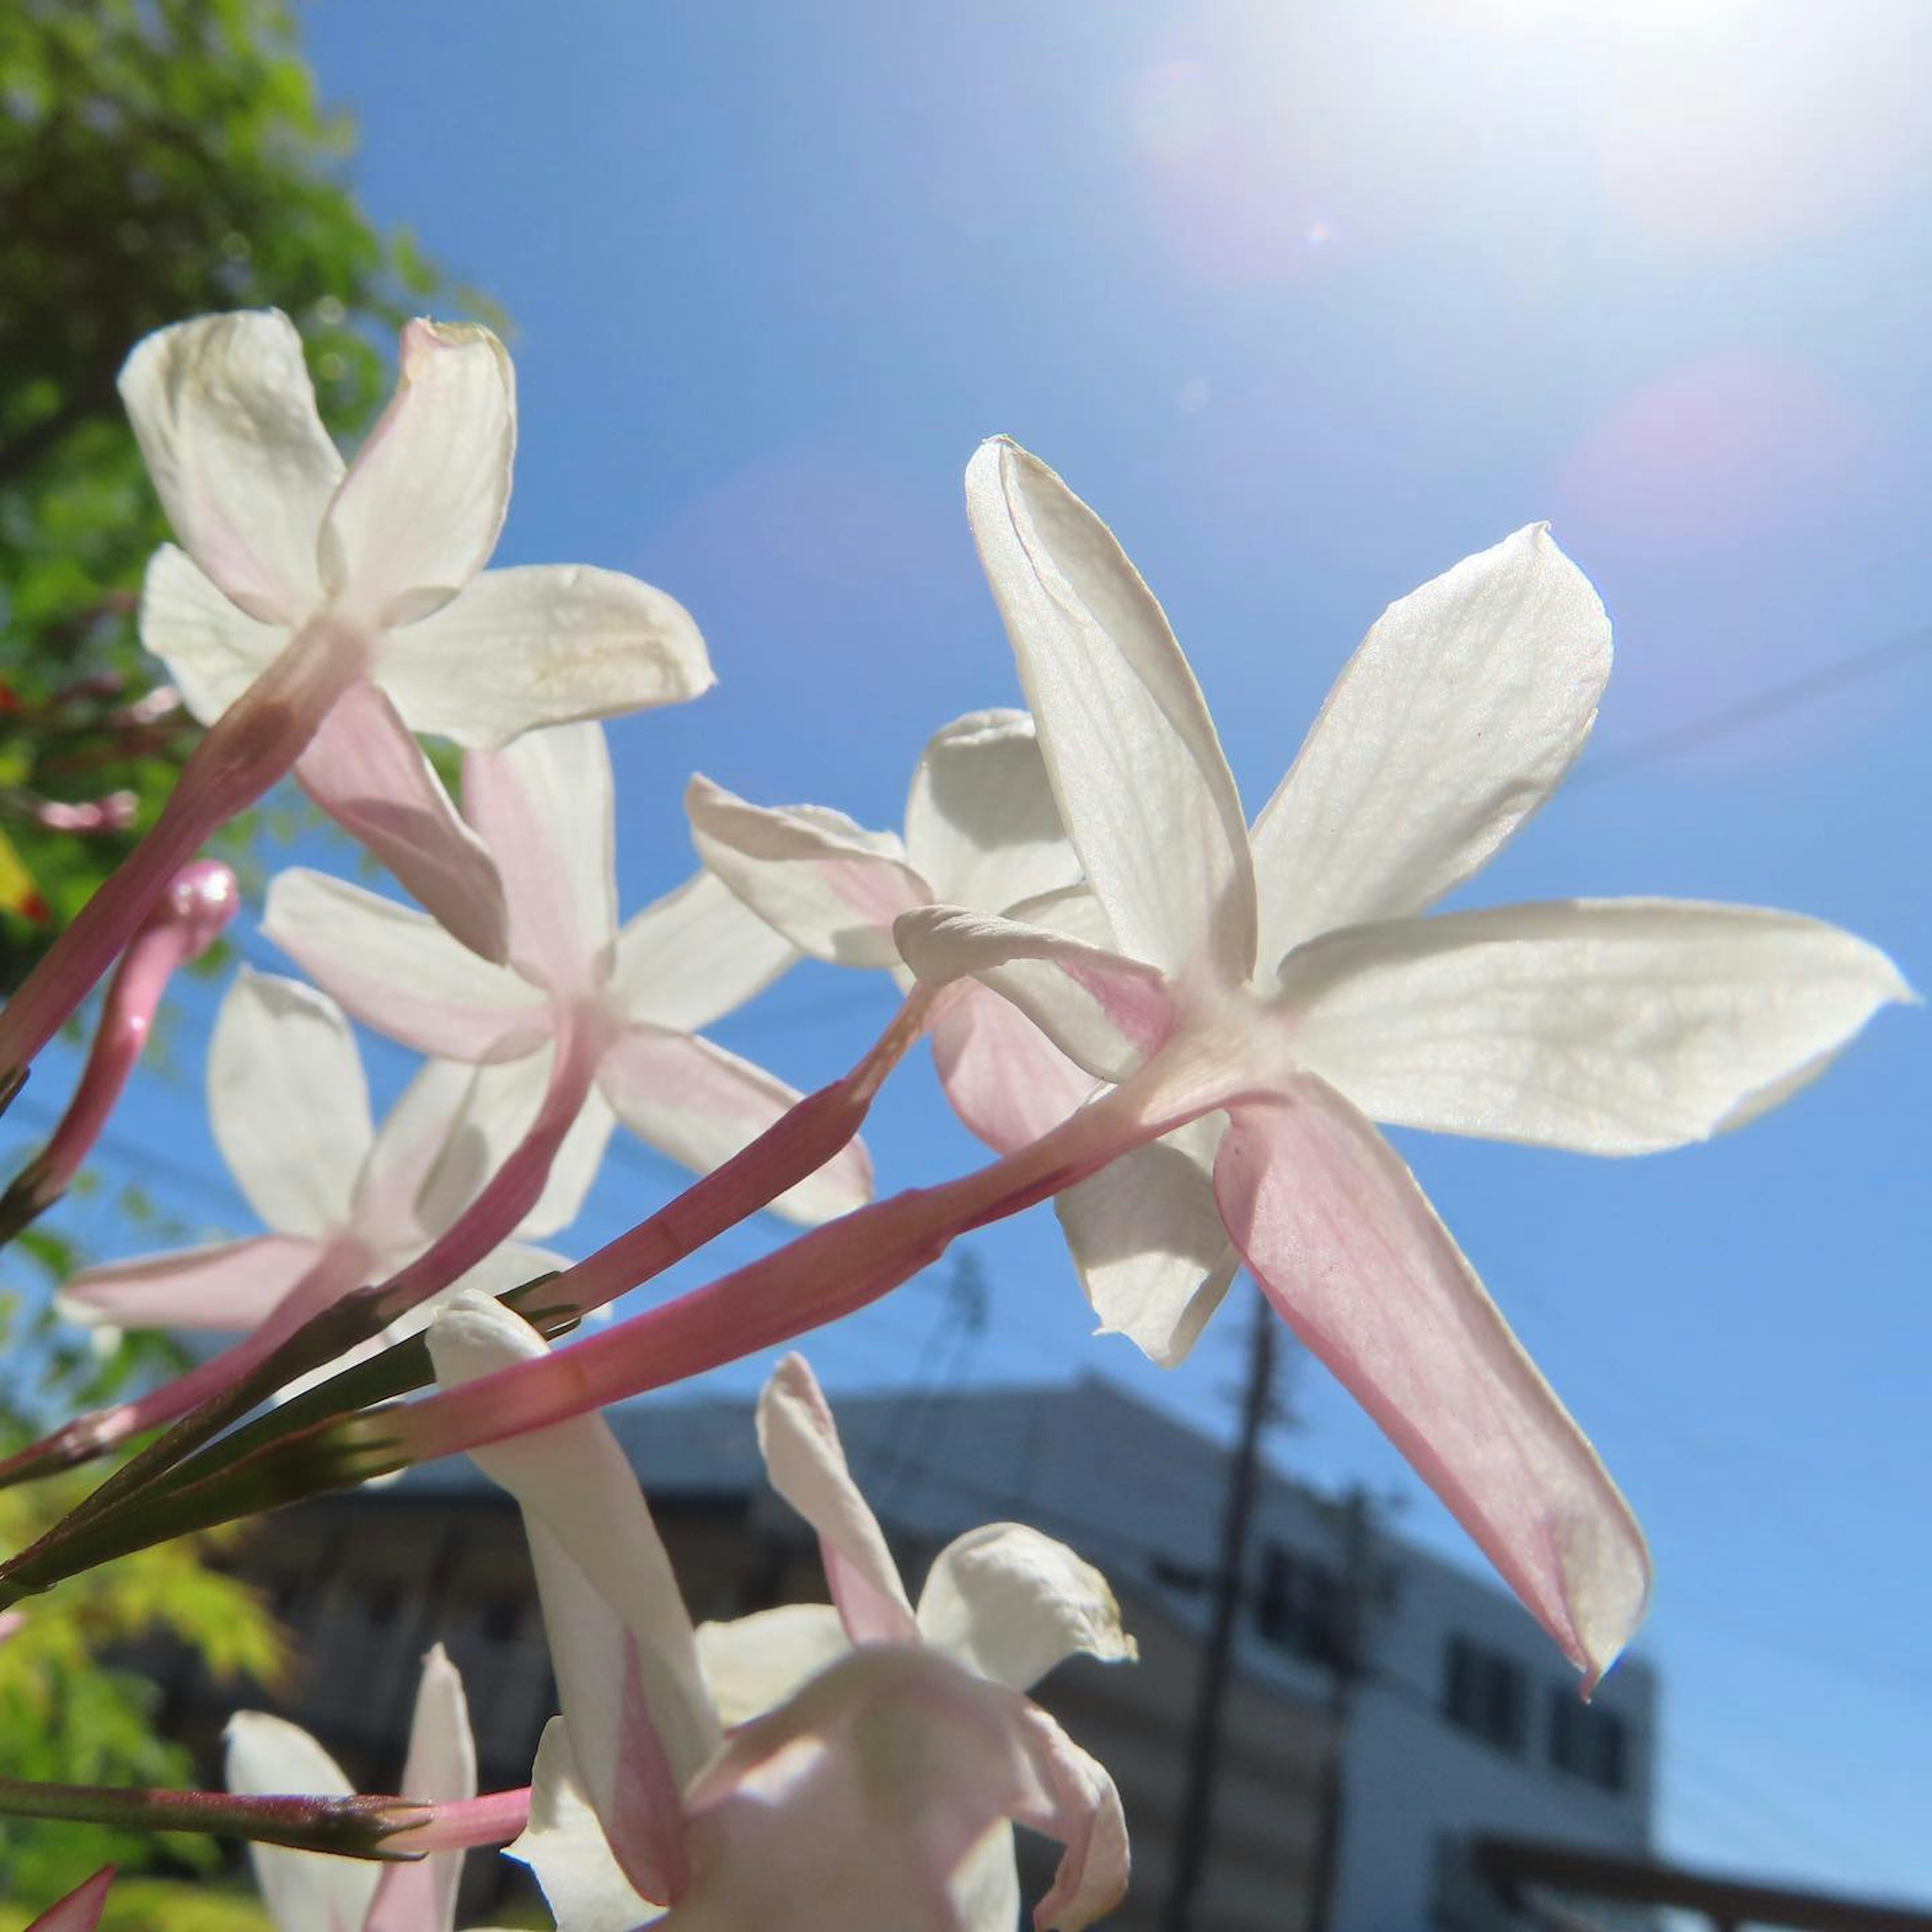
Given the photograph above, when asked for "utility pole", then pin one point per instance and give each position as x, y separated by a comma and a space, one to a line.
1204, 1744
1347, 1661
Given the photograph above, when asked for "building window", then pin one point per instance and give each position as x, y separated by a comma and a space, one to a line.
1300, 1607
1486, 1693
1586, 1740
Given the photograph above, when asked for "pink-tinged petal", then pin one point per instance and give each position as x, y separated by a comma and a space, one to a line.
1459, 714
1006, 1081
859, 1804
985, 1888
564, 1845
1144, 790
225, 414
700, 1105
1010, 1603
288, 1103
80, 1910
1082, 1810
1146, 1235
410, 1148
369, 776
418, 514
399, 972
305, 1891
828, 885
1106, 1013
420, 1896
545, 808
543, 644
226, 1286
1610, 1026
752, 1664
981, 824
694, 956
621, 1641
805, 1462
1351, 1255
213, 650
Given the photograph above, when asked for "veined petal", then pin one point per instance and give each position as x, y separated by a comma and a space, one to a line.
214, 651
542, 644
1082, 1810
1010, 1603
418, 514
752, 1664
1459, 714
225, 1285
1104, 1012
287, 1103
225, 414
565, 1846
420, 1896
1352, 1256
80, 1910
305, 1891
694, 955
805, 1462
1144, 790
639, 1722
699, 1104
982, 826
547, 809
399, 972
828, 885
1611, 1026
1146, 1235
364, 769
1006, 1081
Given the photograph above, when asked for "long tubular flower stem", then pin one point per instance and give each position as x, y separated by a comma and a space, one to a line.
494, 1818
253, 743
200, 900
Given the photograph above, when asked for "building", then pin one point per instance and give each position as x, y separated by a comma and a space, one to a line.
1386, 1710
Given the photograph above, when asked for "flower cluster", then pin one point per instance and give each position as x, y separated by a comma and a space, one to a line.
1184, 1028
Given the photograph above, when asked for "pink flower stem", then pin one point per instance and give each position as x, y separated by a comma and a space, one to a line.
200, 900
493, 1819
246, 750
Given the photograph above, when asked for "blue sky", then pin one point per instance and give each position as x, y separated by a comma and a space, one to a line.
1308, 302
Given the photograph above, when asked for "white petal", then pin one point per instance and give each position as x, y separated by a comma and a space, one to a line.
806, 1464
364, 769
418, 514
699, 1104
1010, 1603
1352, 1256
225, 414
1104, 1012
542, 644
212, 650
607, 1585
1005, 1080
1145, 793
421, 1897
410, 1146
288, 1103
305, 1891
565, 1846
828, 885
1612, 1026
1147, 1238
225, 1285
985, 1889
752, 1664
546, 807
1459, 714
694, 955
982, 825
400, 973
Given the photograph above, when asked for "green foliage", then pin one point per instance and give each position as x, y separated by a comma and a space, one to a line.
165, 1905
158, 159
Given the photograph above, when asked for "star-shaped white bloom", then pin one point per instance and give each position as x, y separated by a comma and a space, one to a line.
759, 1774
982, 829
622, 1007
374, 565
345, 1204
1283, 977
